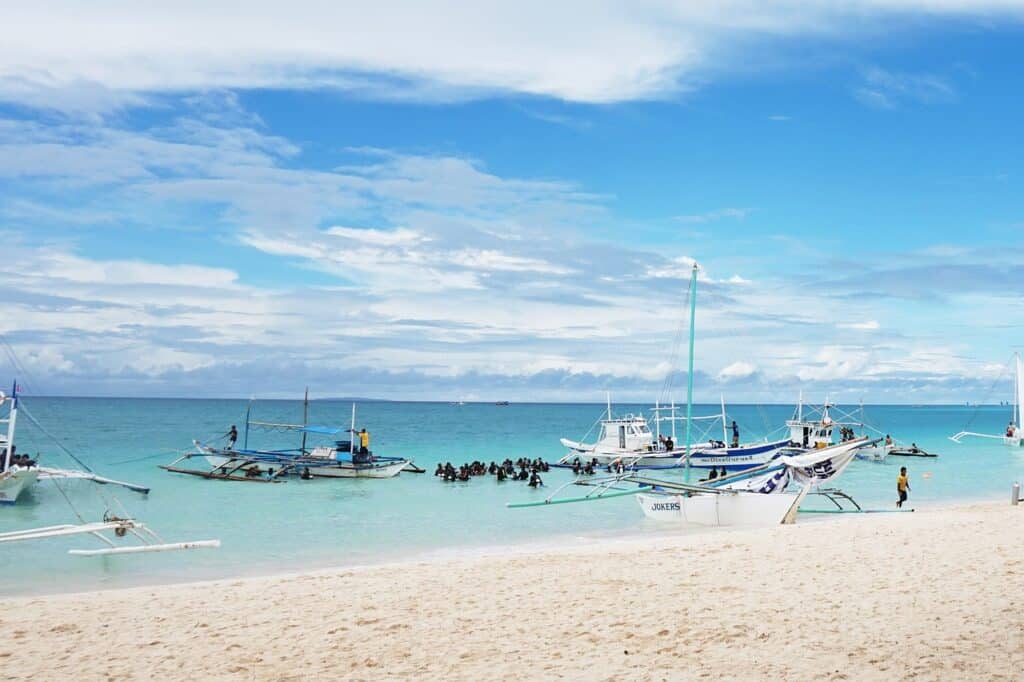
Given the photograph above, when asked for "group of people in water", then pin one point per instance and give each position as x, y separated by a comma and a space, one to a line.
522, 469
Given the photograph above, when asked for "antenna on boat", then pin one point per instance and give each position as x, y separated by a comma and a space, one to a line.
689, 375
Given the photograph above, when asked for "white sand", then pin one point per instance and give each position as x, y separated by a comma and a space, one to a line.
935, 595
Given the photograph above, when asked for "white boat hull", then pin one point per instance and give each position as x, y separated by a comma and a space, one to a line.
740, 509
14, 482
738, 458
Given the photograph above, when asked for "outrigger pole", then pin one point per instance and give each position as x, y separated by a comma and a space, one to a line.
689, 375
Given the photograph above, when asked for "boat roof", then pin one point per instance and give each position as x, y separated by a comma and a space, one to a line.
304, 428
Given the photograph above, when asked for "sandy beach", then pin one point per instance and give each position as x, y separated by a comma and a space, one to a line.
930, 595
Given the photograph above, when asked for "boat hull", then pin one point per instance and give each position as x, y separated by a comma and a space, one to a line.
378, 469
731, 459
13, 483
740, 509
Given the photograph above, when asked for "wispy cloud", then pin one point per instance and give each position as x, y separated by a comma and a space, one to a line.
114, 56
714, 215
885, 89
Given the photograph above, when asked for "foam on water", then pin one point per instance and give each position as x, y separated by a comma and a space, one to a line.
306, 525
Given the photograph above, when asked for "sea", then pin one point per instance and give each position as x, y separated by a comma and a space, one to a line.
299, 526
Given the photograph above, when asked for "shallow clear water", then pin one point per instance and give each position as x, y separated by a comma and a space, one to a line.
299, 525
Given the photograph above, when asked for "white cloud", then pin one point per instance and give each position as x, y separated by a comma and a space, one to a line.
737, 370
115, 54
717, 214
866, 325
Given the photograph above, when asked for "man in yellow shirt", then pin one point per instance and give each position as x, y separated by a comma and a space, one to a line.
902, 487
364, 441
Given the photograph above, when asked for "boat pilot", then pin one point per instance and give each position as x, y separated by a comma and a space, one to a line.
364, 441
232, 437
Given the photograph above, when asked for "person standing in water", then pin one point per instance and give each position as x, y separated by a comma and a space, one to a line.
902, 487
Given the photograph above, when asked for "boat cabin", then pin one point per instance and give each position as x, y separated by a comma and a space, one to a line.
811, 434
626, 433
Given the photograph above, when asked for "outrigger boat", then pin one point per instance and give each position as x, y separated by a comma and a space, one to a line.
1014, 434
340, 460
628, 442
15, 478
758, 496
813, 428
19, 473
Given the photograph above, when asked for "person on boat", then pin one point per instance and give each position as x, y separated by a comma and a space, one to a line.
735, 434
914, 448
232, 437
1011, 430
902, 487
364, 441
252, 472
888, 441
670, 444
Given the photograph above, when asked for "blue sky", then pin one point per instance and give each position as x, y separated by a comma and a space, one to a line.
417, 201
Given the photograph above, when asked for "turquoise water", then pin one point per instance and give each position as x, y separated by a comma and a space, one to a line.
301, 525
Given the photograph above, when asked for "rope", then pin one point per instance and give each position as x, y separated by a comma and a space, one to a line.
56, 441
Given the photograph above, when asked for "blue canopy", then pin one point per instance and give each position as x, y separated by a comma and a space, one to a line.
325, 430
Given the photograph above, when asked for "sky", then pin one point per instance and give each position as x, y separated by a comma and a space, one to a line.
504, 201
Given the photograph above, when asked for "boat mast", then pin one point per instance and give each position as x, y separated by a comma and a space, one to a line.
1017, 392
11, 418
305, 418
352, 430
689, 375
245, 439
608, 397
725, 434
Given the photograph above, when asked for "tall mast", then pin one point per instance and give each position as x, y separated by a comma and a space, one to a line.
689, 375
352, 440
305, 418
10, 426
1017, 392
725, 433
248, 410
608, 398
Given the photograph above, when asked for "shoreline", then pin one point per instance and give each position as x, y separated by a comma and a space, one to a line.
567, 542
932, 594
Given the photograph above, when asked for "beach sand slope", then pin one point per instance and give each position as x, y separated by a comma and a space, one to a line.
928, 595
